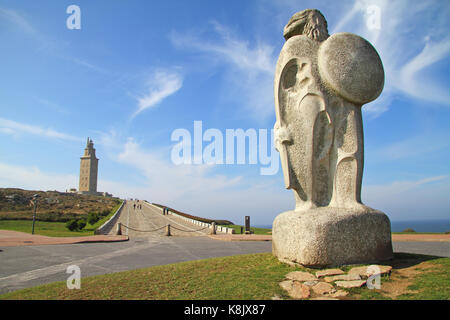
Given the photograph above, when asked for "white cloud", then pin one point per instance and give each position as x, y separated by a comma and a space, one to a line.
161, 85
250, 68
425, 143
409, 42
33, 178
196, 189
20, 21
16, 128
425, 198
51, 105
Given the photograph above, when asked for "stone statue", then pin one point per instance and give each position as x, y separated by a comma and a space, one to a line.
321, 83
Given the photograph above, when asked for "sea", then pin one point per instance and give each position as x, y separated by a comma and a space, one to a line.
440, 225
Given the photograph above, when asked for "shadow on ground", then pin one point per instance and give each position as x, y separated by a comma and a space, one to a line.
405, 260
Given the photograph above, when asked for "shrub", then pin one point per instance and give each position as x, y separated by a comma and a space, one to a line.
76, 225
81, 224
409, 230
447, 232
72, 225
92, 218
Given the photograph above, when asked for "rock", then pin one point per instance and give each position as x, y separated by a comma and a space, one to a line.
345, 277
310, 283
300, 276
324, 298
367, 271
350, 284
323, 288
299, 291
339, 294
286, 285
295, 289
328, 272
277, 297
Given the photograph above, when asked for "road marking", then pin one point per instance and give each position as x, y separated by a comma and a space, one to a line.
17, 279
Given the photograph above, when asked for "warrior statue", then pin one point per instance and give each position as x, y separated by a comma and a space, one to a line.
321, 83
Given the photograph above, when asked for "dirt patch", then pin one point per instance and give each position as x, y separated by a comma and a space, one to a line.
400, 279
405, 268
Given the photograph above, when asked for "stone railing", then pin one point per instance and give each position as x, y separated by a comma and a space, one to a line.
195, 222
108, 225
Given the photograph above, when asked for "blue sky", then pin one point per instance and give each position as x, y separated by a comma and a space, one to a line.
138, 70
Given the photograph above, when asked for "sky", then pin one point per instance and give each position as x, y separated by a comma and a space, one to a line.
135, 71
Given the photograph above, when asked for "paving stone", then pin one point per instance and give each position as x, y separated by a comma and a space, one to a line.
345, 277
299, 291
323, 288
367, 271
310, 283
301, 276
286, 285
350, 284
295, 289
328, 272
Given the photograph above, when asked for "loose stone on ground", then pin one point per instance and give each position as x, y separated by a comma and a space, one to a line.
304, 285
328, 272
301, 276
367, 271
344, 277
322, 288
350, 284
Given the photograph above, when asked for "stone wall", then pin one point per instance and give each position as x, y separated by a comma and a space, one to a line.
198, 223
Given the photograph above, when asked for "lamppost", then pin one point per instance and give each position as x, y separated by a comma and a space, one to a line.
34, 201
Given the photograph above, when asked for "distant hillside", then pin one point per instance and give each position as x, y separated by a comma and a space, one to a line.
52, 205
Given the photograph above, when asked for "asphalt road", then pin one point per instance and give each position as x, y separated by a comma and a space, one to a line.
28, 266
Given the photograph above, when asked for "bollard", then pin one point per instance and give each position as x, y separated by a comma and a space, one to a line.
119, 229
247, 225
168, 230
213, 231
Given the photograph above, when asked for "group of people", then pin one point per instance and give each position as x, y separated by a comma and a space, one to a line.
138, 205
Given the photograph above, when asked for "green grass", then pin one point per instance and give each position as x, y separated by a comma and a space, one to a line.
254, 276
237, 229
248, 277
432, 285
53, 229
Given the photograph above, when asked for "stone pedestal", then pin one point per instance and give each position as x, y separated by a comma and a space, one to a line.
327, 236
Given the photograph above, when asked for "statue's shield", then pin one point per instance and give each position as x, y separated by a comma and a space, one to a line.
351, 67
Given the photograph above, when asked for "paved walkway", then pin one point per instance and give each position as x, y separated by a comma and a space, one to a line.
14, 238
149, 222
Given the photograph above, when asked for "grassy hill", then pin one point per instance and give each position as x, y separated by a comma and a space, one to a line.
53, 206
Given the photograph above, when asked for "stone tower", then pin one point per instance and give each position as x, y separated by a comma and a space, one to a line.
88, 170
